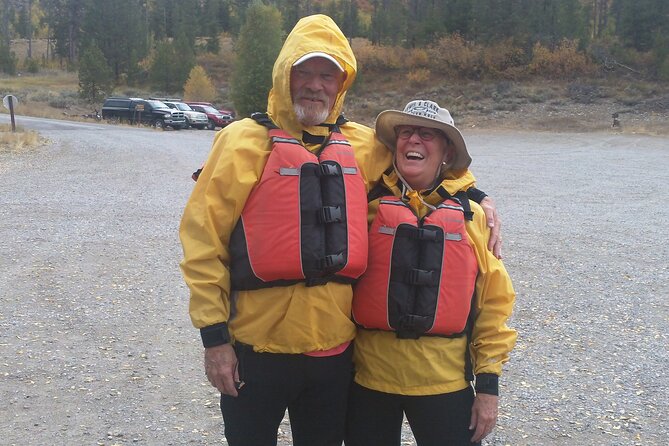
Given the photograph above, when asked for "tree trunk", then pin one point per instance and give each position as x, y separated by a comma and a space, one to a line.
30, 29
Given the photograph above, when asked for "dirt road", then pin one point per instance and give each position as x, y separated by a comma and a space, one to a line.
96, 347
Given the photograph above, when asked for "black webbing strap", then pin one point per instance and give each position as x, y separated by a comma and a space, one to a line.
263, 119
461, 197
308, 138
471, 318
379, 189
476, 195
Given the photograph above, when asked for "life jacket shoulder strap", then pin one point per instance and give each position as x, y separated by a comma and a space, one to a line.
263, 119
461, 197
379, 189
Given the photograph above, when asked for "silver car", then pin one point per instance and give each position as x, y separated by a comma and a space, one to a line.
193, 118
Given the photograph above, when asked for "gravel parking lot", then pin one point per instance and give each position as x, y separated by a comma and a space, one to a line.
96, 347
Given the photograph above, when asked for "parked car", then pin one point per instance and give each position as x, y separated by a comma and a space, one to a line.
146, 111
194, 118
226, 111
216, 118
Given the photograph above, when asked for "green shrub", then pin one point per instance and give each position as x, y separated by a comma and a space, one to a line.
64, 99
8, 60
663, 72
31, 66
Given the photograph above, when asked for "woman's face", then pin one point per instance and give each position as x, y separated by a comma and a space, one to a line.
419, 155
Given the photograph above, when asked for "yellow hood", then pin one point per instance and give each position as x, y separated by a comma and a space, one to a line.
312, 33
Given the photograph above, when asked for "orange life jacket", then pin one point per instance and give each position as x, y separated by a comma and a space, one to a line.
422, 272
306, 219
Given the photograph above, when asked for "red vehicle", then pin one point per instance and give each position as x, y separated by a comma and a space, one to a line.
216, 118
225, 111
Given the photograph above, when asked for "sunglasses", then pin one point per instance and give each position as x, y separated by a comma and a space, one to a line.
424, 133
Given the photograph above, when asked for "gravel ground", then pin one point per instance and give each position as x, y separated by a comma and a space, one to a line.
96, 347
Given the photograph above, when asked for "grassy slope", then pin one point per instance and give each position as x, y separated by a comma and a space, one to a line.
577, 105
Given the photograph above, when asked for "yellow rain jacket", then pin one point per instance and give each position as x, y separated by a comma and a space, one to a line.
433, 365
290, 319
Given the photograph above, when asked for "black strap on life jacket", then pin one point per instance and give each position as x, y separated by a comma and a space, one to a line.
264, 120
460, 197
379, 190
469, 329
308, 138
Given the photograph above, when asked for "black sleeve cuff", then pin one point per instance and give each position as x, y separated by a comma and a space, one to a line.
487, 383
476, 195
214, 335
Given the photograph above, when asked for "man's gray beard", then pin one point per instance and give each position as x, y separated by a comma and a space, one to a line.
308, 116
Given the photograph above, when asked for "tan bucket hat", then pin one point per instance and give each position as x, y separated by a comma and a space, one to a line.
423, 113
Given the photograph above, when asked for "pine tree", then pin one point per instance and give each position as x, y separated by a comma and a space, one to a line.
161, 73
211, 25
7, 59
199, 86
127, 37
256, 52
389, 22
185, 54
64, 18
95, 76
640, 21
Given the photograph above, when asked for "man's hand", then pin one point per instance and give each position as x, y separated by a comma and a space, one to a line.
495, 225
220, 366
484, 416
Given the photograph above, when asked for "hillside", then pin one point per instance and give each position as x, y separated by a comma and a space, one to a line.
585, 104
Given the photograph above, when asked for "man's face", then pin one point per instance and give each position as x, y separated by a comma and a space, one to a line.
314, 85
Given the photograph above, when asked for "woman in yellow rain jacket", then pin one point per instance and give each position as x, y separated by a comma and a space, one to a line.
433, 304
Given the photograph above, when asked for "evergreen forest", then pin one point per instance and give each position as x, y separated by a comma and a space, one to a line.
157, 43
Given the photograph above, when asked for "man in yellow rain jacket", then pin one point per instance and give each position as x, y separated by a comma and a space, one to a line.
273, 235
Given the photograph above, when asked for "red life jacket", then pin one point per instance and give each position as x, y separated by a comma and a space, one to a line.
421, 275
306, 219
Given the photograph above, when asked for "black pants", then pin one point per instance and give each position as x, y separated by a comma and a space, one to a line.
314, 390
375, 418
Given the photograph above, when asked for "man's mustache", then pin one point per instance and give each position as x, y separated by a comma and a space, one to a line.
314, 97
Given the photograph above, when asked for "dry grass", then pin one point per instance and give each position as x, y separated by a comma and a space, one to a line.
50, 79
48, 94
19, 140
20, 48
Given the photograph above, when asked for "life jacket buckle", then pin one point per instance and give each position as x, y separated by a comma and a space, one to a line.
328, 170
419, 277
332, 261
427, 234
330, 214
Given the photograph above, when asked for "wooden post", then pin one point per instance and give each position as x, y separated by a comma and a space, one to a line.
11, 112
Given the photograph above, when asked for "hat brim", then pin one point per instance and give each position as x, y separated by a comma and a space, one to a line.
387, 120
313, 54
